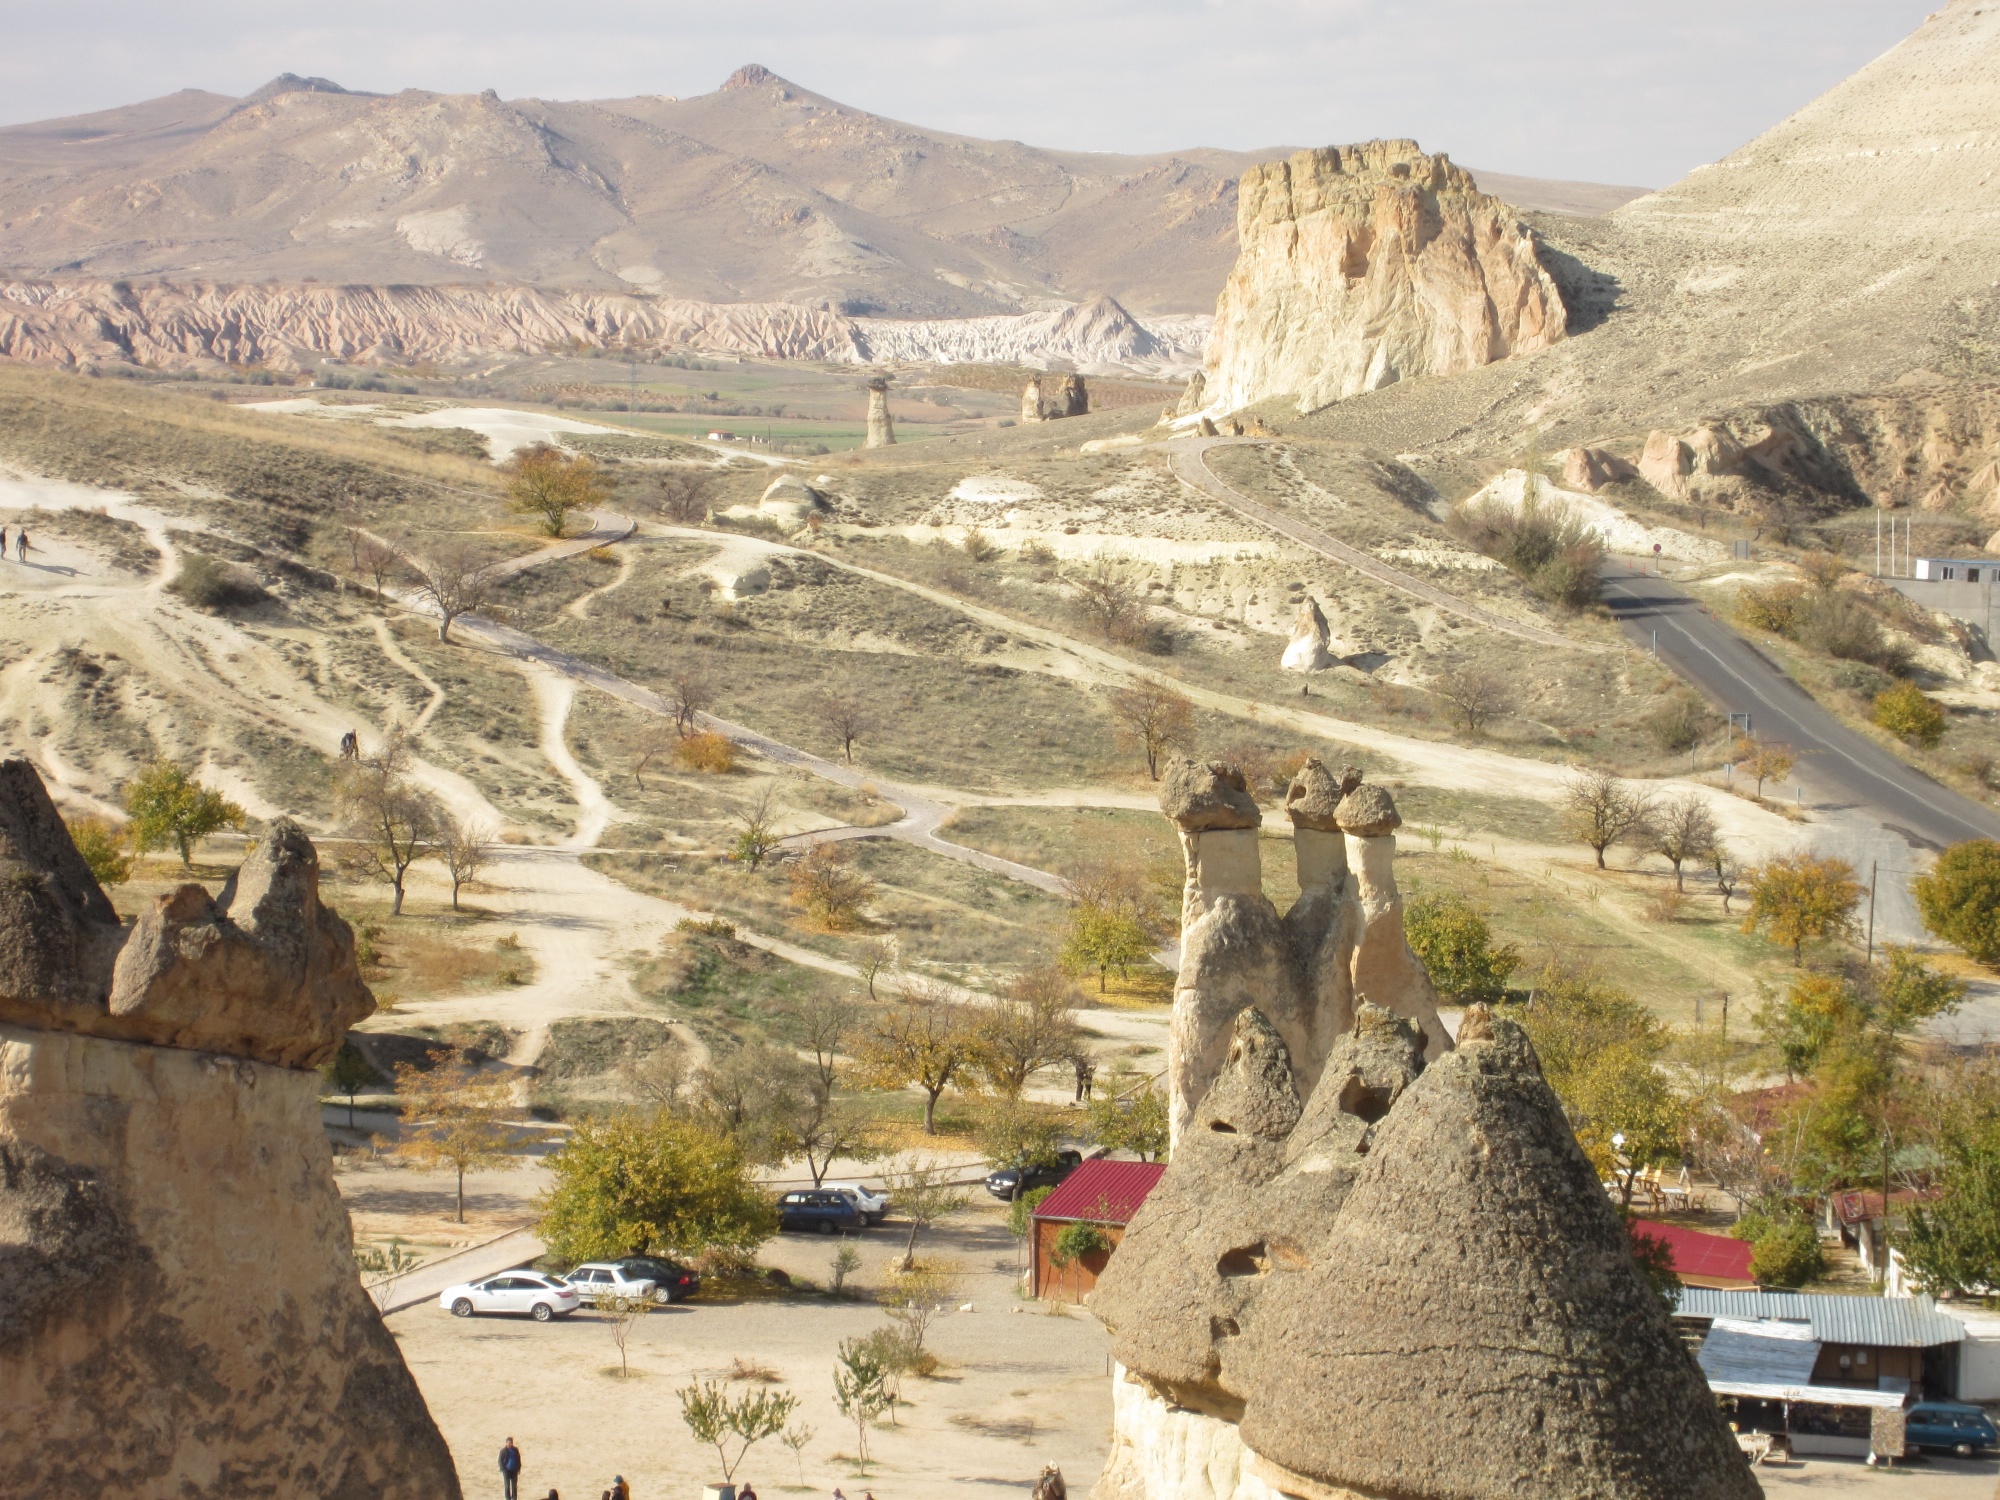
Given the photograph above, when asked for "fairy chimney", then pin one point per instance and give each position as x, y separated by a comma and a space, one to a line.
881, 426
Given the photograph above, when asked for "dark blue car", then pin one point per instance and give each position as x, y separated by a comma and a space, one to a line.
1964, 1430
821, 1212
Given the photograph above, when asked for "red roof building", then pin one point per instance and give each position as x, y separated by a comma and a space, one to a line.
1711, 1260
1104, 1193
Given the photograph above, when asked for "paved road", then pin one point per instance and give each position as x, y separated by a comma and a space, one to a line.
1835, 764
521, 1247
1188, 458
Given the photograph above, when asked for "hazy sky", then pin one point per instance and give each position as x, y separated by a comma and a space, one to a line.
1631, 91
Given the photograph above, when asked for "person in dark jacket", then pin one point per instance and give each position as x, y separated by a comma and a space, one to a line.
510, 1469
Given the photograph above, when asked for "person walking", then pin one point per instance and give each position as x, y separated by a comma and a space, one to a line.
510, 1469
21, 544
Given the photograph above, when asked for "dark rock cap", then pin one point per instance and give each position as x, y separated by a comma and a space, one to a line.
1368, 812
1313, 799
1204, 795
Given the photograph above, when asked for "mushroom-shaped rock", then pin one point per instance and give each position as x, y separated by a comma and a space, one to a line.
1204, 795
1368, 812
1479, 1288
1324, 924
1313, 798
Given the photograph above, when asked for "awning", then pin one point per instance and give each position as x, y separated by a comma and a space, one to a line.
1818, 1395
1758, 1351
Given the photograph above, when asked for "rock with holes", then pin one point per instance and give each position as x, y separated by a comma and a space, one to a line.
1412, 1286
182, 1315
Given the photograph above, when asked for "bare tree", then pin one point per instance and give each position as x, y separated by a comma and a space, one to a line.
1154, 719
877, 957
1475, 695
924, 1192
1722, 865
684, 495
759, 835
693, 695
1598, 809
1108, 602
466, 847
844, 716
373, 558
394, 823
454, 579
661, 1077
827, 1019
1683, 829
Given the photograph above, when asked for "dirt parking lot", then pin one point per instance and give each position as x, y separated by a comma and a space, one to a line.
1851, 1479
1018, 1388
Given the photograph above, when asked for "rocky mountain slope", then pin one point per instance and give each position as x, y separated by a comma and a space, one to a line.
761, 191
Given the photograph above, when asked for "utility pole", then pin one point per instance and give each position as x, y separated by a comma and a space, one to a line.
1873, 866
1878, 542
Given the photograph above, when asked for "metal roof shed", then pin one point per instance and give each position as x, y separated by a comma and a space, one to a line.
1101, 1192
1877, 1322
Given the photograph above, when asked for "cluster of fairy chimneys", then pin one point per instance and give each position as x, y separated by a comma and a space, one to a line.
1051, 397
1340, 943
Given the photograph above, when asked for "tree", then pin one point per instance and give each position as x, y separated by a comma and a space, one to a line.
1784, 1250
825, 1020
453, 1117
1029, 1025
828, 888
1655, 1259
923, 1191
655, 1185
168, 806
548, 484
913, 1299
1728, 874
1152, 719
394, 822
1109, 603
1598, 809
1450, 935
1074, 1244
757, 835
799, 1434
1959, 899
466, 847
879, 956
684, 496
102, 845
455, 579
714, 1417
1682, 830
1798, 896
1475, 695
860, 1390
373, 558
1908, 713
742, 1092
1131, 1116
1953, 1245
922, 1038
346, 1071
844, 716
623, 1314
1763, 760
693, 696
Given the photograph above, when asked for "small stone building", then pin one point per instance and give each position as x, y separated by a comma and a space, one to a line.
1104, 1193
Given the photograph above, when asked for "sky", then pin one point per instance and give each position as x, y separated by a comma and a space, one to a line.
1621, 91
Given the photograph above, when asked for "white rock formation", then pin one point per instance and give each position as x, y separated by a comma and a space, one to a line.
881, 426
1620, 531
1362, 265
790, 501
1307, 651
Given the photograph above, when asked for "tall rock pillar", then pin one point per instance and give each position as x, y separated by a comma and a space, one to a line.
881, 426
1325, 923
1385, 970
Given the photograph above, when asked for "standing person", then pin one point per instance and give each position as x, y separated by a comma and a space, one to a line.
3, 542
745, 1492
21, 544
510, 1469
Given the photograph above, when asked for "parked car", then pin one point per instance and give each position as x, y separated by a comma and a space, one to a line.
604, 1278
1011, 1182
874, 1205
540, 1297
821, 1210
673, 1282
1964, 1430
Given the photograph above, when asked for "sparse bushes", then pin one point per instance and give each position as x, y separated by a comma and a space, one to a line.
1544, 542
1959, 900
102, 845
1679, 723
707, 751
1474, 695
1909, 714
214, 586
1833, 621
827, 887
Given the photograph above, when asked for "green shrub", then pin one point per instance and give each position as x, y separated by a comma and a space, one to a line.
1679, 723
1542, 541
1774, 608
1451, 937
1906, 712
1783, 1252
1959, 900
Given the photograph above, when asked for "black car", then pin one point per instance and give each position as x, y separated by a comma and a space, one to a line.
672, 1282
1009, 1183
821, 1211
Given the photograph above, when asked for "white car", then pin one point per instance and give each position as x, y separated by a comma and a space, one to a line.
540, 1297
871, 1205
601, 1278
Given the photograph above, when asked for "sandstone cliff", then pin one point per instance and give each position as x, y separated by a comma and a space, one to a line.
183, 1317
178, 325
1360, 266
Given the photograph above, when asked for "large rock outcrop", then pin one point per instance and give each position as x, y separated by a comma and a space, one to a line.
1359, 266
1409, 1286
183, 1317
